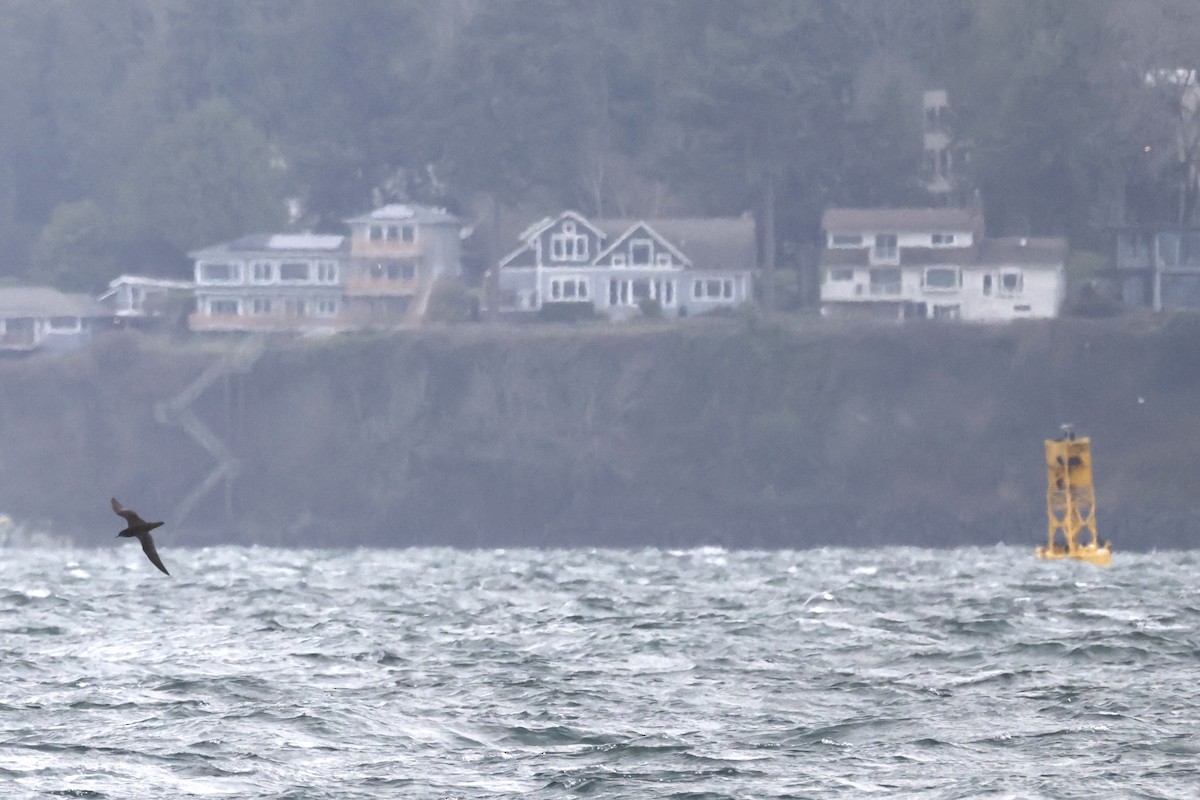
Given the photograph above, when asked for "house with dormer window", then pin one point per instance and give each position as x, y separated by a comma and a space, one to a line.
615, 266
936, 263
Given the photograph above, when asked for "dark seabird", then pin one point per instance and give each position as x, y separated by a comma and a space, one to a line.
140, 529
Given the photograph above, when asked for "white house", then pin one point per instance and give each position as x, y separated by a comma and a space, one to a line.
279, 282
935, 263
142, 301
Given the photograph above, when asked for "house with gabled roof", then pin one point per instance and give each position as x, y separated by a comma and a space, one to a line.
617, 266
936, 263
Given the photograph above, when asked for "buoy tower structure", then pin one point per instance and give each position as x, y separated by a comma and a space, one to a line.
1071, 503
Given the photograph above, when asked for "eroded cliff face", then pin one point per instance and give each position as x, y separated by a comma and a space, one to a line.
733, 432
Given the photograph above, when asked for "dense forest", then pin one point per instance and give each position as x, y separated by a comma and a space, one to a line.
134, 130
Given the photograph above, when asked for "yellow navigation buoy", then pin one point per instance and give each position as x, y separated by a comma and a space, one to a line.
1071, 503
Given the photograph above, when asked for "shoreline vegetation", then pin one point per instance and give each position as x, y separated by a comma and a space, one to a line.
743, 432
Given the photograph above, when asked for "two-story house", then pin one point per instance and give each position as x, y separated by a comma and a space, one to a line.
275, 282
935, 263
380, 274
685, 266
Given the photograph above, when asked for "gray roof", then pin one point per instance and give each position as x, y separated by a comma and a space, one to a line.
1023, 250
407, 212
42, 301
277, 243
708, 242
908, 220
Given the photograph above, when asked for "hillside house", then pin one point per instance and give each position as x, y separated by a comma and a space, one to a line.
686, 266
274, 282
397, 253
380, 274
936, 263
38, 317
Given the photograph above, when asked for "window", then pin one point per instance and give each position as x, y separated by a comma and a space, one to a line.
293, 308
264, 272
712, 289
841, 274
223, 308
408, 233
262, 305
946, 312
393, 270
393, 233
885, 248
64, 324
326, 308
618, 259
571, 289
987, 285
885, 281
942, 279
569, 245
846, 240
943, 239
327, 272
1010, 282
293, 271
662, 259
641, 290
1022, 309
640, 251
376, 233
218, 272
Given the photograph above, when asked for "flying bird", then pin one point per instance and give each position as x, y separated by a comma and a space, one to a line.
140, 529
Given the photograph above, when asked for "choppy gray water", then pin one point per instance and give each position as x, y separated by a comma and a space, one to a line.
700, 674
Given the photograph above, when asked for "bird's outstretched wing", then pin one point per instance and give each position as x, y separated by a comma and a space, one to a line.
129, 514
150, 550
